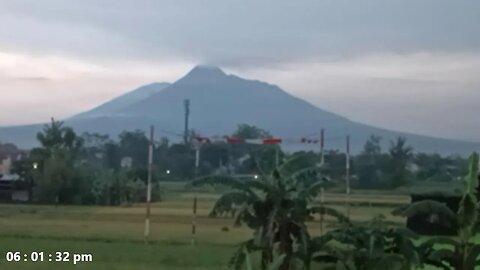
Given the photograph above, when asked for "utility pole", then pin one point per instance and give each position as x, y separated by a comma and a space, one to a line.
186, 103
149, 185
197, 145
197, 160
322, 146
194, 220
347, 176
322, 190
322, 215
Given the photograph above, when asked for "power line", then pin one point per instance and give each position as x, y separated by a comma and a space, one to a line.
311, 135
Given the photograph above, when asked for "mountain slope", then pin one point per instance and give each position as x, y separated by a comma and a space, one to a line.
113, 106
219, 102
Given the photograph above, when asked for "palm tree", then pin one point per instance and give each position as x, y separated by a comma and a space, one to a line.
460, 253
56, 136
276, 206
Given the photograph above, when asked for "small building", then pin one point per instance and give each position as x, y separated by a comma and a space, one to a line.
14, 191
12, 188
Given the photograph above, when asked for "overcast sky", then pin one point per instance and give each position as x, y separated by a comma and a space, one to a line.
411, 65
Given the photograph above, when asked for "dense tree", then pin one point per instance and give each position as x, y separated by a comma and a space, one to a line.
245, 131
368, 164
134, 145
180, 161
433, 167
118, 188
57, 137
335, 164
93, 152
372, 146
212, 155
68, 164
113, 156
400, 156
58, 181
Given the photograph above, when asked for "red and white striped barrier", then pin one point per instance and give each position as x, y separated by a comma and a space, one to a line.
233, 140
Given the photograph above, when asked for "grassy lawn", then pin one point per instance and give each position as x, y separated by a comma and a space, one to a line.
114, 235
119, 254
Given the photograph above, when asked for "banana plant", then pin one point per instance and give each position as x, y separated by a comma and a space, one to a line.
461, 252
275, 206
275, 265
376, 245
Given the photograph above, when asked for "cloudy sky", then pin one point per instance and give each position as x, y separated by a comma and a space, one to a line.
411, 65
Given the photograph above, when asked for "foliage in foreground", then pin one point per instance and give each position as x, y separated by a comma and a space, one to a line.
374, 246
461, 252
276, 206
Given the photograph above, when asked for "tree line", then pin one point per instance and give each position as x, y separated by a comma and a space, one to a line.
95, 169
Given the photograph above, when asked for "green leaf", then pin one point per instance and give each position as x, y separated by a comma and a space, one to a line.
312, 190
323, 210
472, 176
257, 184
275, 265
443, 255
439, 241
239, 258
467, 212
226, 203
473, 255
248, 262
391, 262
309, 171
285, 169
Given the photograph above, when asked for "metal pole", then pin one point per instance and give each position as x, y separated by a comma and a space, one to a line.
197, 160
322, 190
149, 185
186, 103
194, 220
322, 146
194, 216
347, 176
322, 216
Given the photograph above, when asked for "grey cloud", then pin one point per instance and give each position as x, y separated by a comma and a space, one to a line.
241, 33
312, 47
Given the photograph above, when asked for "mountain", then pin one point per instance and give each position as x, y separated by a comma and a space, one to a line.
219, 102
110, 108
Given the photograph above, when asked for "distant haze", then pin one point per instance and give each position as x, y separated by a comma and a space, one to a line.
404, 64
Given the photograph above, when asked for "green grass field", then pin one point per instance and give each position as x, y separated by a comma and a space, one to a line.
114, 235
